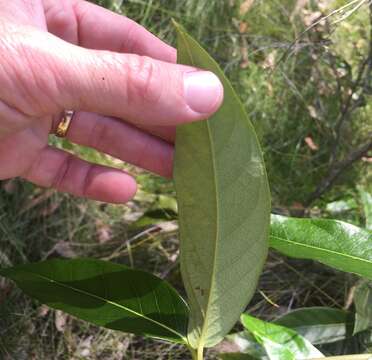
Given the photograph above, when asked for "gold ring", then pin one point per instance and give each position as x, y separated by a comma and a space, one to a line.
65, 123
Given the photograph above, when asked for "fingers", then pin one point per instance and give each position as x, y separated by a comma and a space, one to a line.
43, 74
64, 172
139, 89
122, 141
167, 133
94, 27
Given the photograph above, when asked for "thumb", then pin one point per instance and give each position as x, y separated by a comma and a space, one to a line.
136, 88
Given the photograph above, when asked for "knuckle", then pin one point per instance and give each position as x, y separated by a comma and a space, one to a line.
131, 40
62, 22
86, 184
61, 175
98, 134
143, 81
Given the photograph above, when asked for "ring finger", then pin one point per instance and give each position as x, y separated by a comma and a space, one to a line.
122, 141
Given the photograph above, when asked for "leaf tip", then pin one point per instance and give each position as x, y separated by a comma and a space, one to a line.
179, 28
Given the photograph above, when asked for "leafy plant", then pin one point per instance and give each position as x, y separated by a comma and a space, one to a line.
279, 342
293, 335
334, 243
224, 214
224, 217
93, 291
319, 325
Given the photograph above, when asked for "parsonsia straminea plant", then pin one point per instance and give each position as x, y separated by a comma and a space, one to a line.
224, 217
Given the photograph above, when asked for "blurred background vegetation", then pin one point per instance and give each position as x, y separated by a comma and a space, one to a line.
306, 82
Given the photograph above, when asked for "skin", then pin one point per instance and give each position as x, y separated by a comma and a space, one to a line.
71, 54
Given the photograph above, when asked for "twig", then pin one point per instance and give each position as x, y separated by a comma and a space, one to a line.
364, 74
337, 169
340, 10
360, 87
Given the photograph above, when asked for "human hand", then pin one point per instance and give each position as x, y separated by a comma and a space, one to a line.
122, 81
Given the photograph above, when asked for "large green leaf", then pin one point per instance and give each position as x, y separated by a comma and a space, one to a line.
334, 243
319, 325
106, 294
363, 306
224, 208
280, 343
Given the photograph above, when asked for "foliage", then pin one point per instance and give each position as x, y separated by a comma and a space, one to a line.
91, 289
106, 294
224, 209
279, 342
294, 92
334, 243
319, 325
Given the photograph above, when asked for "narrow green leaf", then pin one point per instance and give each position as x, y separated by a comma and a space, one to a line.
363, 306
334, 243
106, 294
366, 199
280, 343
224, 208
319, 325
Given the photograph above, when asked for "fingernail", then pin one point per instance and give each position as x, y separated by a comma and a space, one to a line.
203, 91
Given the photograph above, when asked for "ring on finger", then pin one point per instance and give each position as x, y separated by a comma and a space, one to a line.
64, 124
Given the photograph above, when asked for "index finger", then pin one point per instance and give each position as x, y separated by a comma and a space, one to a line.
94, 27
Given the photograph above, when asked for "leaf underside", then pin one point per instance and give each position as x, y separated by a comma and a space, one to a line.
106, 294
224, 208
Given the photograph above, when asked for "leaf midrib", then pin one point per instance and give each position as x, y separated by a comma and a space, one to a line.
322, 249
111, 303
205, 324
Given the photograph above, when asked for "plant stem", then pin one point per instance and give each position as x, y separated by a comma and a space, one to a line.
194, 354
200, 353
